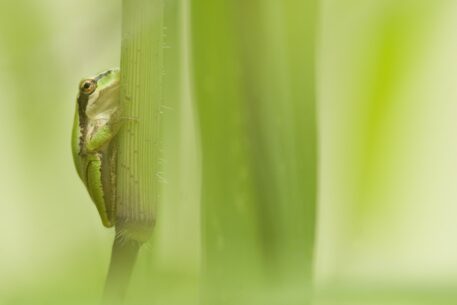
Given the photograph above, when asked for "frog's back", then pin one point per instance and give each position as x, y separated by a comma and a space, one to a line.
76, 145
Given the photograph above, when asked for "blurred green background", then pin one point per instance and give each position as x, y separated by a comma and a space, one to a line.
387, 161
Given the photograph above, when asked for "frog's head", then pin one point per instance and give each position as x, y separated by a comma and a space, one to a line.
101, 93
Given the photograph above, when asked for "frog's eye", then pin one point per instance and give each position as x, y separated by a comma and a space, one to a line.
88, 86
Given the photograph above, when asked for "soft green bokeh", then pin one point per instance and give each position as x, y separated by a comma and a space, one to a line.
256, 110
388, 152
386, 88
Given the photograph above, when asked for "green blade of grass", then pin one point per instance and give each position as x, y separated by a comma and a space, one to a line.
254, 91
140, 143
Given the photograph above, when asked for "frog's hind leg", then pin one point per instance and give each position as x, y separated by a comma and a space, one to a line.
96, 190
108, 170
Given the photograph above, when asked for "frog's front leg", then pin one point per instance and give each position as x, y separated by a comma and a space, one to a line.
101, 136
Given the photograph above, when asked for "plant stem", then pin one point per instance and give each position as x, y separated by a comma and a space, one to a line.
254, 91
139, 141
124, 254
139, 170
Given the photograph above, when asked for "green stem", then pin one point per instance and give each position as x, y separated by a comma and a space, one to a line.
139, 170
123, 257
254, 91
139, 142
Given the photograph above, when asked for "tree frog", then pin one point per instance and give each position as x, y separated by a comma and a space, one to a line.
96, 123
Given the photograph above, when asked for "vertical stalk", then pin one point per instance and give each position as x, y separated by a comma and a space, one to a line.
123, 258
139, 142
254, 91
